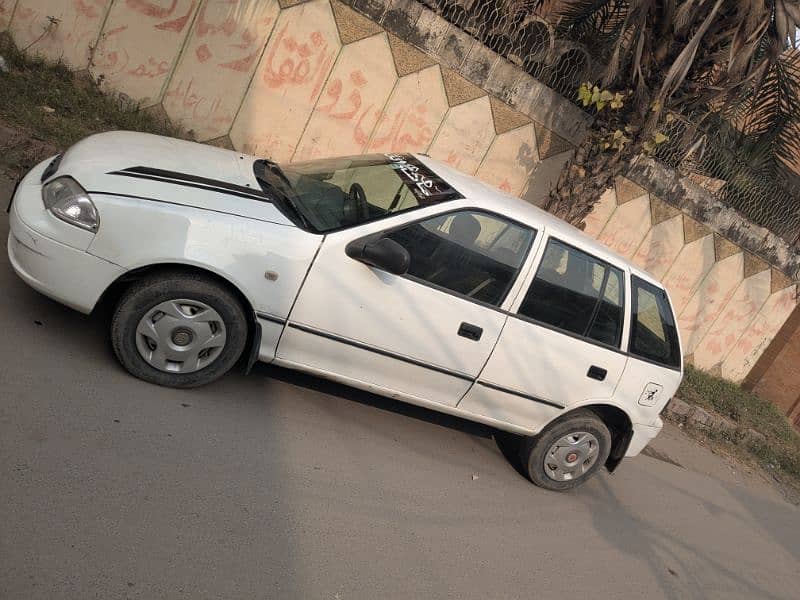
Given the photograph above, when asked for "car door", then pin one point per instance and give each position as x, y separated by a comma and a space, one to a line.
423, 335
561, 345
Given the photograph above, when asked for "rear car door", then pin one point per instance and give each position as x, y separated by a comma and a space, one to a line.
424, 335
655, 367
561, 344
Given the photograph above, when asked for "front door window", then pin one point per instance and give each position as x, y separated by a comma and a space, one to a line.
471, 253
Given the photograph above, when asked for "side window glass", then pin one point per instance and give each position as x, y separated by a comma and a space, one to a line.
578, 293
607, 324
471, 253
653, 332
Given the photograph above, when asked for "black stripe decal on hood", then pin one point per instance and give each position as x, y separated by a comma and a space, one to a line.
188, 180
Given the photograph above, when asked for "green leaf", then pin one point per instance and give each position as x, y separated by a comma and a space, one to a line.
595, 95
660, 138
584, 93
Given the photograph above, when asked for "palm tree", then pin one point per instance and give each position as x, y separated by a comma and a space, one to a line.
698, 75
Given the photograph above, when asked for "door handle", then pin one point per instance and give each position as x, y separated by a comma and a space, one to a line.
470, 331
598, 373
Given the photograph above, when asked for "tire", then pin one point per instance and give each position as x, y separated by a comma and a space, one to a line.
534, 451
214, 319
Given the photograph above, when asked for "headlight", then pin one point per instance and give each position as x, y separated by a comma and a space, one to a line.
69, 202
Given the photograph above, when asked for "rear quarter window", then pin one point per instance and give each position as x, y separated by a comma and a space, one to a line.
654, 335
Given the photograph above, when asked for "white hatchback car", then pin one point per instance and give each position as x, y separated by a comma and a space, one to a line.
392, 273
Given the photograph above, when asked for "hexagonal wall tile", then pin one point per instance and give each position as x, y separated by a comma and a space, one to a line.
296, 62
693, 263
708, 301
758, 335
223, 49
351, 102
660, 247
733, 321
511, 160
412, 115
6, 8
465, 135
601, 213
627, 227
68, 38
139, 47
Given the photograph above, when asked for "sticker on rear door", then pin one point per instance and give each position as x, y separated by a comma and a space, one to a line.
651, 394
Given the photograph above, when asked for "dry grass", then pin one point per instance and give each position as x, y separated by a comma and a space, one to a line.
779, 453
54, 108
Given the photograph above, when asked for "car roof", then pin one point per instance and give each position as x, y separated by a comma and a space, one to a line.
515, 208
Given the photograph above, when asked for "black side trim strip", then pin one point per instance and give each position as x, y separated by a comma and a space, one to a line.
382, 352
250, 195
520, 394
270, 318
195, 179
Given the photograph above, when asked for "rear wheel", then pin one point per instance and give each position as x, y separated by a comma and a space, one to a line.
178, 330
567, 452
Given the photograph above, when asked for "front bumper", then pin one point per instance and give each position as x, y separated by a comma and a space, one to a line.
49, 260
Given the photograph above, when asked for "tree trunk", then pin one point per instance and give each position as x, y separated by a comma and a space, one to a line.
584, 179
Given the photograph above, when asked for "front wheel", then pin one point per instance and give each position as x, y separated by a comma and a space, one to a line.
178, 330
567, 452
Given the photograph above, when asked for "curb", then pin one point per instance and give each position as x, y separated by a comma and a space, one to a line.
684, 413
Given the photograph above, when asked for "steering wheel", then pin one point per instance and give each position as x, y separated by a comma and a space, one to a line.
359, 197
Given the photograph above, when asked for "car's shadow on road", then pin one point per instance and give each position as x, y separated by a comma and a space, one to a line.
507, 443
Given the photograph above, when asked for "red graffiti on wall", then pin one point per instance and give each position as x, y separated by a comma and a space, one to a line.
154, 68
89, 10
344, 102
199, 106
154, 11
203, 53
110, 59
177, 24
741, 313
290, 62
204, 28
408, 130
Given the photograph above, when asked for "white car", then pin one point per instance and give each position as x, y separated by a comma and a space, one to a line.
392, 273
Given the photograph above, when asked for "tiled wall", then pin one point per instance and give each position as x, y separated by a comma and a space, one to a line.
294, 79
730, 304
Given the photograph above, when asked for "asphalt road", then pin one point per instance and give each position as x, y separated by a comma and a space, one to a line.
276, 485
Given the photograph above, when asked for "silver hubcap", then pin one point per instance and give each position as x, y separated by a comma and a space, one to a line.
571, 456
180, 336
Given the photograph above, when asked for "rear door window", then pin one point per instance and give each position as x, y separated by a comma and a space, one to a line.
576, 292
654, 336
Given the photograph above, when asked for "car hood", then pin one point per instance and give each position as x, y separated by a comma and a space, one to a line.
168, 170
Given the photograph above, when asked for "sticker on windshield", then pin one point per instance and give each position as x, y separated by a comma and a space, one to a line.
424, 183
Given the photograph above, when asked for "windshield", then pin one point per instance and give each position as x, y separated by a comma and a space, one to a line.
330, 194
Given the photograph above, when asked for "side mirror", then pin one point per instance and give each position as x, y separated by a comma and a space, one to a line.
383, 253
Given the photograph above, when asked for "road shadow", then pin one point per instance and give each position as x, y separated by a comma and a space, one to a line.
506, 443
676, 563
346, 392
772, 517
